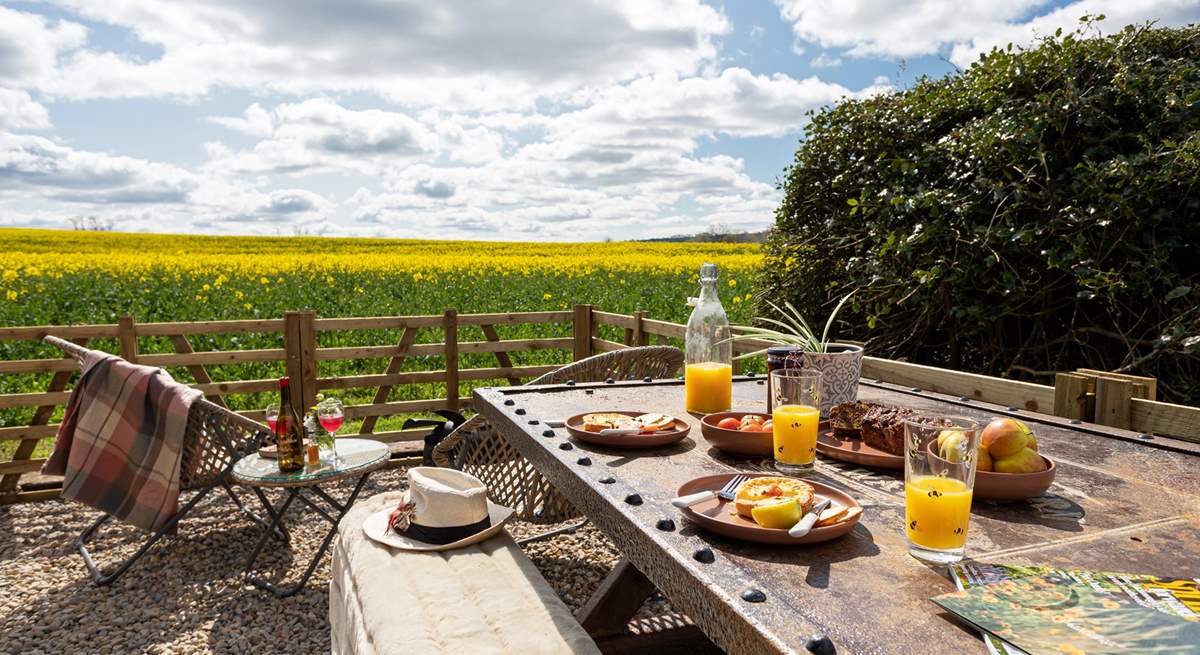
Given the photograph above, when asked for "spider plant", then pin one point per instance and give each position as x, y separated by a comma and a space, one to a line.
792, 330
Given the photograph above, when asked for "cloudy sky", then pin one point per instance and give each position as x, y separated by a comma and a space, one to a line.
476, 119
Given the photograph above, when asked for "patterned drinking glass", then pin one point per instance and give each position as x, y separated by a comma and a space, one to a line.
940, 455
795, 415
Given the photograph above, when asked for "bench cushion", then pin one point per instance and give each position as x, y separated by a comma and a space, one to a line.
485, 598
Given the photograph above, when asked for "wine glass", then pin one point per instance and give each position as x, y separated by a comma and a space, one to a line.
331, 414
272, 416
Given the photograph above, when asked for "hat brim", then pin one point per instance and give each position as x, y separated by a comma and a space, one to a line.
376, 527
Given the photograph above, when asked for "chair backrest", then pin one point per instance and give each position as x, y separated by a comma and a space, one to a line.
215, 437
627, 363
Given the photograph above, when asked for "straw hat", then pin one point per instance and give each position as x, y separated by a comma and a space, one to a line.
442, 509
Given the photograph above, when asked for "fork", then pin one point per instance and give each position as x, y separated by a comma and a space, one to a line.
725, 493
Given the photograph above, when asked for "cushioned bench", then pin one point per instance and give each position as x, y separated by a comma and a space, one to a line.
482, 599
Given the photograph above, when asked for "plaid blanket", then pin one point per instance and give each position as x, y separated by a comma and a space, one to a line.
121, 440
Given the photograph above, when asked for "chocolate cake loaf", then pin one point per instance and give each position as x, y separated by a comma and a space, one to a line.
879, 426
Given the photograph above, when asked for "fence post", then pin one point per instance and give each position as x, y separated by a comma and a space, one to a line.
1071, 396
1113, 405
300, 360
450, 327
640, 336
582, 329
127, 337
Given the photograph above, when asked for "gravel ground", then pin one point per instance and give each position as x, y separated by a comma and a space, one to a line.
187, 596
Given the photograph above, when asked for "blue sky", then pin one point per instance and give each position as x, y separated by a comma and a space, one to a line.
538, 120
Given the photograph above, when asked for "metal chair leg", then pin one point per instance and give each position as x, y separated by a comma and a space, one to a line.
280, 530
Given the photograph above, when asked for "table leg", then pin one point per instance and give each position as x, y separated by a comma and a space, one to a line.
276, 520
615, 601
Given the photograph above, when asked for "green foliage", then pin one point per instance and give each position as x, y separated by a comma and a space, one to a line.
1037, 212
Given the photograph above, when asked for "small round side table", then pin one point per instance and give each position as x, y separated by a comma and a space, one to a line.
355, 457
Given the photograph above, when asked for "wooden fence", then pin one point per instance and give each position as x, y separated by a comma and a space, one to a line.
1108, 399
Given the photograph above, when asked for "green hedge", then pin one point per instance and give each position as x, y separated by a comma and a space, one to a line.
1038, 212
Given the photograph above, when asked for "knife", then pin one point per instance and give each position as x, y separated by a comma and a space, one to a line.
807, 522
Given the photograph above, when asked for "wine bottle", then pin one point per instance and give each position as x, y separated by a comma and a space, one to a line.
289, 432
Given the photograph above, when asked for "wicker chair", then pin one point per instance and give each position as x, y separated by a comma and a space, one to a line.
477, 448
214, 439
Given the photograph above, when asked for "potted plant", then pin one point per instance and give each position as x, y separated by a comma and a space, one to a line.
797, 346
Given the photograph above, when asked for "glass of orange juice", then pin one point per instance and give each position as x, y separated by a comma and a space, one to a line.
708, 387
795, 415
939, 478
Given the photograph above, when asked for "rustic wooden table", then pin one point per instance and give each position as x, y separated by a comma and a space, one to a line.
1121, 502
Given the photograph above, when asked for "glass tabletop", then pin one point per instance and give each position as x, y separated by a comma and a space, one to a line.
353, 456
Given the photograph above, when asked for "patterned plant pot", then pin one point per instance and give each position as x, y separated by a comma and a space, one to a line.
840, 367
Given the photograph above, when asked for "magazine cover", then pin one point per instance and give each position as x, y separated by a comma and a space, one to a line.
1058, 613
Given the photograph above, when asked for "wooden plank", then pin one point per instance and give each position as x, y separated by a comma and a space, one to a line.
502, 358
1070, 396
395, 436
209, 357
213, 389
450, 327
378, 352
1144, 387
18, 466
308, 360
616, 601
393, 368
514, 345
581, 326
37, 366
377, 323
1155, 417
604, 346
203, 379
1025, 395
609, 318
36, 332
1113, 407
516, 372
29, 496
127, 339
435, 349
32, 433
293, 365
664, 328
209, 327
384, 379
40, 398
514, 318
399, 407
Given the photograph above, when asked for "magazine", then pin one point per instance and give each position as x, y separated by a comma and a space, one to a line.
1098, 594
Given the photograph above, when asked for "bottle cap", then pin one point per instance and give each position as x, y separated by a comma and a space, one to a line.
283, 381
708, 272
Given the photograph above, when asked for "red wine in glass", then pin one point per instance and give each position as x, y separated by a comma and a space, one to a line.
331, 423
271, 424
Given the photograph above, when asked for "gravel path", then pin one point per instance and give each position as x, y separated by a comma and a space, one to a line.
187, 596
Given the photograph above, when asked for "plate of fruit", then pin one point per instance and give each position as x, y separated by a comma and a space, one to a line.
1009, 467
739, 433
766, 506
627, 429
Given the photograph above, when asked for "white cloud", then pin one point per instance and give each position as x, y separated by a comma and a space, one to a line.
881, 28
30, 46
476, 53
823, 60
19, 111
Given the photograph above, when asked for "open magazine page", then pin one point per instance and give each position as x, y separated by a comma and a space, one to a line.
1176, 597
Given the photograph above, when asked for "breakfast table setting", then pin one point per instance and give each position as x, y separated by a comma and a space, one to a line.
775, 544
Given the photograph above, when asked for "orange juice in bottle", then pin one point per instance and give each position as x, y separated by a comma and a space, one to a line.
708, 351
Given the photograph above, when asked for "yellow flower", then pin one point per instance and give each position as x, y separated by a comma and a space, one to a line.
248, 306
12, 295
417, 276
732, 282
239, 295
206, 288
329, 280
547, 296
278, 280
32, 271
10, 275
737, 299
264, 280
359, 290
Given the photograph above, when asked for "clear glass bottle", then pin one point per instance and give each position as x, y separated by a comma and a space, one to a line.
708, 352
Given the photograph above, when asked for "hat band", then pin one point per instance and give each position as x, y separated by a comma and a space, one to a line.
447, 535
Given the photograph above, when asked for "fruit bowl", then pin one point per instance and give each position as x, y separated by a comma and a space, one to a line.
736, 442
1014, 486
990, 485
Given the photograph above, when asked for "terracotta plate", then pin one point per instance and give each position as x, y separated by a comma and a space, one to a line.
751, 444
855, 451
719, 517
656, 440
